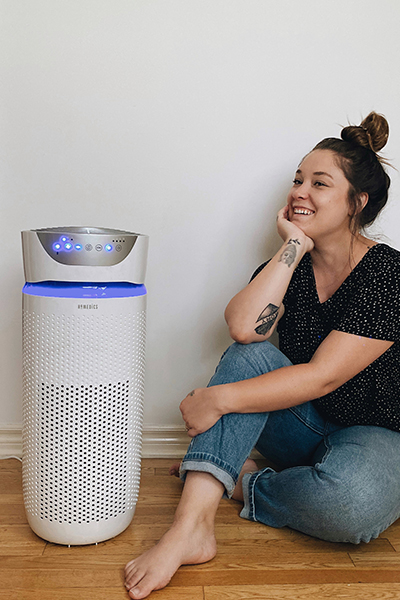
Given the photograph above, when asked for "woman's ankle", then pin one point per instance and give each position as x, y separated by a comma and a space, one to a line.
200, 499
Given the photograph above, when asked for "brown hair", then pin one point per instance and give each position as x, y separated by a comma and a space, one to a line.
357, 156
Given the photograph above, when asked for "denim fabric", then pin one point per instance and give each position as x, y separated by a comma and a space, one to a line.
334, 483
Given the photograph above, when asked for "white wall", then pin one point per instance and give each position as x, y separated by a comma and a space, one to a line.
185, 120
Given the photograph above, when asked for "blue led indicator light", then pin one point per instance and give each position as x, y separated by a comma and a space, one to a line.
57, 246
70, 289
108, 247
63, 238
67, 246
78, 247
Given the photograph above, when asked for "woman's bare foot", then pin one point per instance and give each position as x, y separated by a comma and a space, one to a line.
181, 545
250, 466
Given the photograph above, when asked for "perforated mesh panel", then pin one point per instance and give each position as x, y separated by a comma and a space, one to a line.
83, 411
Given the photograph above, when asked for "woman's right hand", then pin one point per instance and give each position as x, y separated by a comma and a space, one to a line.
288, 230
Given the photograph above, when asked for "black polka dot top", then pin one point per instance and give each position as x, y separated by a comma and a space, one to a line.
366, 304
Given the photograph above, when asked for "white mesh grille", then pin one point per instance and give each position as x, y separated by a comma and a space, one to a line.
83, 412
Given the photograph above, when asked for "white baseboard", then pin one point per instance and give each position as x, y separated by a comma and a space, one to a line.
164, 442
10, 441
158, 442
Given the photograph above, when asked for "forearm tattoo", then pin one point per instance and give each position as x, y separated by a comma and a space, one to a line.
288, 256
267, 318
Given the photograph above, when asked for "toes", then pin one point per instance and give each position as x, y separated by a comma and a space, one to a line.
146, 586
129, 566
139, 591
129, 569
174, 469
132, 577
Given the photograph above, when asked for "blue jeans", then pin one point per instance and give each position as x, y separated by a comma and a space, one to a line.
336, 483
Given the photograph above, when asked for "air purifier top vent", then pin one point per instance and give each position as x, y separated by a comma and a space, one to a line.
89, 254
85, 230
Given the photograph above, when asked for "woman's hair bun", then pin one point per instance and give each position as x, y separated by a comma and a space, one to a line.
373, 132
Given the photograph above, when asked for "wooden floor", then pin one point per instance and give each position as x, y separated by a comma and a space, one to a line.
253, 561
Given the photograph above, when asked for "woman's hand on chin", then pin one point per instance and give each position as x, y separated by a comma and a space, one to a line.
288, 230
201, 409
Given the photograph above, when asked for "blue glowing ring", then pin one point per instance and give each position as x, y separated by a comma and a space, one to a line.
70, 289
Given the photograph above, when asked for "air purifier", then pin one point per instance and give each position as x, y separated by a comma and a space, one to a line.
84, 318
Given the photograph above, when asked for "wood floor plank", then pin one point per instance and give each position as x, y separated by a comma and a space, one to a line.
159, 490
183, 593
12, 511
163, 482
10, 464
12, 514
11, 499
65, 594
55, 563
61, 576
250, 530
10, 482
158, 462
303, 545
395, 544
376, 561
393, 535
305, 592
285, 576
20, 540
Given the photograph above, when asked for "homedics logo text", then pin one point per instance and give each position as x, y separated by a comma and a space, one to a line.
88, 306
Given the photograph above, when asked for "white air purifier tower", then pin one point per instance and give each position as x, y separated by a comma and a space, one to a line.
84, 314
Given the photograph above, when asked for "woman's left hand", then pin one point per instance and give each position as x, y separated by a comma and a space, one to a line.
201, 409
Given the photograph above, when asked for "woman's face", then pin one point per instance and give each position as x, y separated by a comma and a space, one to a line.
318, 200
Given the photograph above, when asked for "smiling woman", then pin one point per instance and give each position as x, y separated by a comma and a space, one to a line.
327, 401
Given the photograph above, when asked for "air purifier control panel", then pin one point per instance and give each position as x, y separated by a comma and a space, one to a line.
87, 246
83, 254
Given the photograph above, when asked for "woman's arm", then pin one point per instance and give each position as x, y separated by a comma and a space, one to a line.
253, 314
339, 358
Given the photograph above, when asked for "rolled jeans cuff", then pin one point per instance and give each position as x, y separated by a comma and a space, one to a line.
208, 463
248, 484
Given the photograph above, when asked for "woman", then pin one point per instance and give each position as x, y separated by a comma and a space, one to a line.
328, 400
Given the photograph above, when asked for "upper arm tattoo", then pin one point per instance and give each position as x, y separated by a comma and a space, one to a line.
288, 256
267, 318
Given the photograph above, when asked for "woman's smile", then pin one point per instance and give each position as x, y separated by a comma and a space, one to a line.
299, 210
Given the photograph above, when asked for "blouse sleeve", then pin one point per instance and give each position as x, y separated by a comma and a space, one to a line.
374, 308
